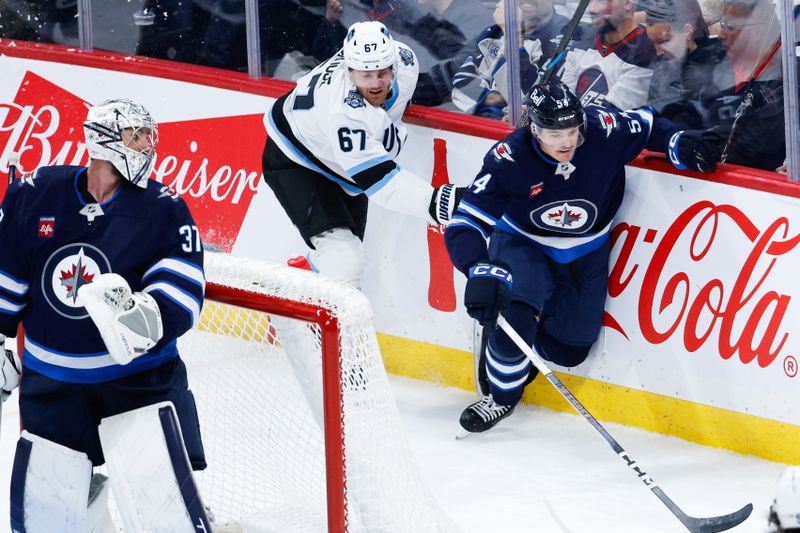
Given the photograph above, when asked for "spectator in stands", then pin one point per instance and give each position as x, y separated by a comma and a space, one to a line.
174, 30
481, 84
749, 113
48, 21
691, 67
712, 12
447, 33
617, 68
287, 28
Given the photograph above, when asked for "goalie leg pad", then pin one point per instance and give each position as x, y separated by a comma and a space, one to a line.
49, 486
150, 471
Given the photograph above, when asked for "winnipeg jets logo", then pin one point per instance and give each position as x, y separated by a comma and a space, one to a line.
67, 270
608, 122
168, 192
565, 216
91, 211
565, 169
28, 179
494, 50
502, 151
76, 276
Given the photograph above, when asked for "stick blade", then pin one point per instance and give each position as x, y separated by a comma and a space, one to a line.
717, 523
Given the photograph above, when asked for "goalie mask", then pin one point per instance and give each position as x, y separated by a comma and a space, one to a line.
123, 132
368, 46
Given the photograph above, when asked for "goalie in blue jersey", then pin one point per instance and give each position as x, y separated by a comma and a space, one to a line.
104, 269
545, 200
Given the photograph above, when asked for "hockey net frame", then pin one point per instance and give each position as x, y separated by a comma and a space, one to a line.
372, 496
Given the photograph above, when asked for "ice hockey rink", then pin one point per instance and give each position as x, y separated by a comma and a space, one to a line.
549, 472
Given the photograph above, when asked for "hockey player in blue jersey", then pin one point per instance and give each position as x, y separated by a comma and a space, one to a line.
104, 269
545, 199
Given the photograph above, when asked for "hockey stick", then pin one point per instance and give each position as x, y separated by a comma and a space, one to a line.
695, 525
559, 53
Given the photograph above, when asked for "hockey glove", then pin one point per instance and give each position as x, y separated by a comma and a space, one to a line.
488, 292
444, 202
129, 322
695, 149
11, 368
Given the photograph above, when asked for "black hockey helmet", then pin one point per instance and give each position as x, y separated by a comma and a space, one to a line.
552, 106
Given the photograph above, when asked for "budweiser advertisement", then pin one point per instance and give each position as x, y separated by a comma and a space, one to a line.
701, 295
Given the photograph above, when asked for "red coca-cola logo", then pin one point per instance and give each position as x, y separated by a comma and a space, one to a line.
746, 314
214, 164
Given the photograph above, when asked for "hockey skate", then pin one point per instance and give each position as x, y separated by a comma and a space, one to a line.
484, 414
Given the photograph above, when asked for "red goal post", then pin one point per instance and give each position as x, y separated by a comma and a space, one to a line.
271, 467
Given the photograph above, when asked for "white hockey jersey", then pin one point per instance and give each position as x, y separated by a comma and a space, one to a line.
325, 125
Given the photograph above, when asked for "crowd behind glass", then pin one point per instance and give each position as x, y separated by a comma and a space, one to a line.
700, 63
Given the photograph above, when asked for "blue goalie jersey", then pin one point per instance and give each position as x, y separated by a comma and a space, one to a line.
566, 209
56, 239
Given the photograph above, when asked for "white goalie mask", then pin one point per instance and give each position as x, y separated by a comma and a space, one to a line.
368, 46
123, 132
785, 512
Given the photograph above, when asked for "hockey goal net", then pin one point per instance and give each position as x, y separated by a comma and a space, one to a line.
271, 466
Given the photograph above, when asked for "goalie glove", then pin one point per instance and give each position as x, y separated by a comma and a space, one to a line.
444, 201
11, 368
129, 322
695, 149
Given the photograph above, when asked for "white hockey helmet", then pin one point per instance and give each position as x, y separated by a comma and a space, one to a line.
134, 156
368, 46
785, 512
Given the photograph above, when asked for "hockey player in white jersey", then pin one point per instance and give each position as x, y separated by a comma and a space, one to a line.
332, 144
331, 148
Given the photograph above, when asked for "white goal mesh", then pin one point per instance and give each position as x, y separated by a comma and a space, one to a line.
266, 452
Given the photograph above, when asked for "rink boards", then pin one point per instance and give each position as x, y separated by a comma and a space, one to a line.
701, 338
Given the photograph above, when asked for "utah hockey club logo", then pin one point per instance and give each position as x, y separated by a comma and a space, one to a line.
47, 226
565, 216
66, 271
406, 56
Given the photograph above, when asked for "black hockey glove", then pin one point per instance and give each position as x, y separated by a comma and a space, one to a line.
444, 202
695, 149
488, 292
